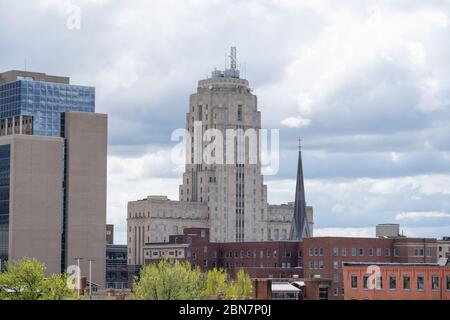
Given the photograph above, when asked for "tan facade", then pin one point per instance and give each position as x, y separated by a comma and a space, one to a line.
443, 248
280, 219
14, 75
35, 199
86, 135
236, 194
155, 218
227, 193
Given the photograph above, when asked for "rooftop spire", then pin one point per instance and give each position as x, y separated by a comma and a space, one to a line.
300, 226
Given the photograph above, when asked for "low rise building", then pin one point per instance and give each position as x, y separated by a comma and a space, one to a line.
324, 256
117, 275
317, 261
274, 259
443, 247
396, 281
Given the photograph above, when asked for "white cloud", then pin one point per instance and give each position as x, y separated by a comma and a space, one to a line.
359, 71
296, 122
419, 215
395, 156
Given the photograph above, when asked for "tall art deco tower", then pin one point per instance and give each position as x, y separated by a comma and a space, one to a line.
222, 189
232, 186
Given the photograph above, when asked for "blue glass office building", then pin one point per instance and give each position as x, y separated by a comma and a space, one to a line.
44, 101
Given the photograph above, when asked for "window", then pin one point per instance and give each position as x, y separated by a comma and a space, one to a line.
336, 292
336, 277
388, 252
239, 112
336, 252
448, 283
396, 252
361, 252
366, 282
406, 283
336, 264
370, 252
420, 283
378, 252
392, 283
353, 252
311, 252
344, 252
434, 283
379, 282
320, 251
320, 264
354, 282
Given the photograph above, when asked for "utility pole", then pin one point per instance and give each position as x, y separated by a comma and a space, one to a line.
90, 278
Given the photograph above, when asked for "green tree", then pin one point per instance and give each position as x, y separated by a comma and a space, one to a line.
170, 281
55, 288
241, 288
25, 280
216, 283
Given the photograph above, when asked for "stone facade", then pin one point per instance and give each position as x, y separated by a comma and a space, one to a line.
155, 218
280, 219
226, 195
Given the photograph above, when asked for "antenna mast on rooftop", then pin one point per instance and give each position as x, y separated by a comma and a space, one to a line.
233, 58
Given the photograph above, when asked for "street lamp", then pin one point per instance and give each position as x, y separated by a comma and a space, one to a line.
79, 275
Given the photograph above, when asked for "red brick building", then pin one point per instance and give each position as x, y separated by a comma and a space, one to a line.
396, 281
277, 259
324, 256
317, 260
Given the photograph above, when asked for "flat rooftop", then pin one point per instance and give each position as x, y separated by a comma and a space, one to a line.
15, 75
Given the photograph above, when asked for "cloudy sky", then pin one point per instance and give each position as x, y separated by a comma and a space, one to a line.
366, 85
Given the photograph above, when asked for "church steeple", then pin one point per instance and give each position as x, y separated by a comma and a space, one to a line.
300, 226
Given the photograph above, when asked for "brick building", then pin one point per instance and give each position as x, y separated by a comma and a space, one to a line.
276, 259
396, 281
324, 256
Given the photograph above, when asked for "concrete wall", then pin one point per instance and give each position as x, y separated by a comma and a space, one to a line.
35, 199
86, 135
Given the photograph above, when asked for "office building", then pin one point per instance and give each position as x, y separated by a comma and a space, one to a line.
228, 196
53, 173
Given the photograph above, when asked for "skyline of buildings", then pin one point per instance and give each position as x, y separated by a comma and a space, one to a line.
53, 202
